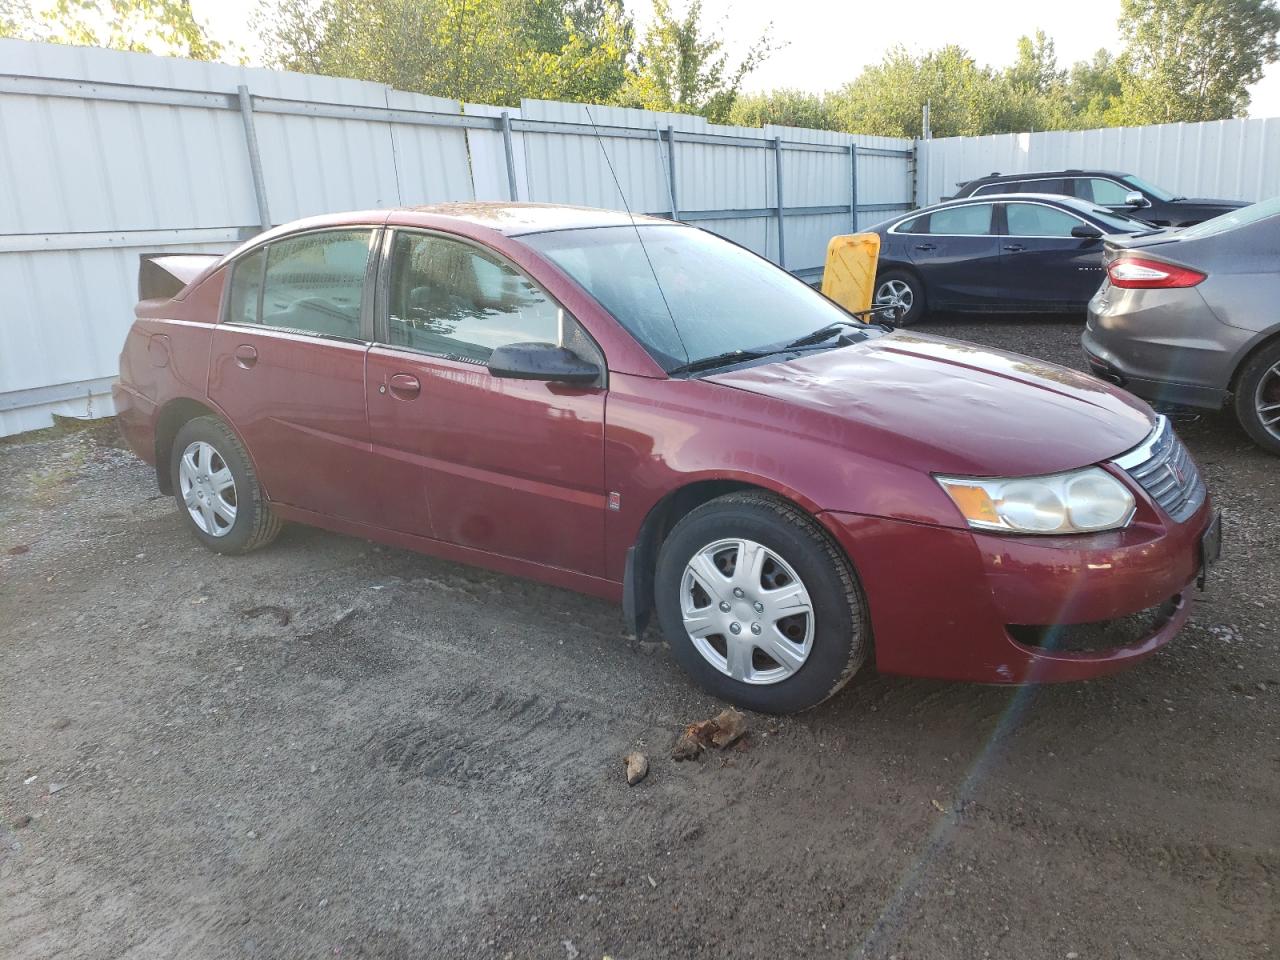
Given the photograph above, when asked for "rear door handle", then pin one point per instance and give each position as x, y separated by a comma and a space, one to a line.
926, 246
404, 386
246, 355
1014, 247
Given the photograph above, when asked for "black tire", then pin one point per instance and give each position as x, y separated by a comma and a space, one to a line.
254, 524
841, 631
1251, 377
919, 306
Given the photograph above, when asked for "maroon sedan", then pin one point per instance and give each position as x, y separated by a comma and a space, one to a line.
639, 410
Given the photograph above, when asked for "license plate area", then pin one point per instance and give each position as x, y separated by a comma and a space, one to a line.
1210, 548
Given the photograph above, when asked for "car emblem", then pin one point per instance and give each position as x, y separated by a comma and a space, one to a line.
1176, 472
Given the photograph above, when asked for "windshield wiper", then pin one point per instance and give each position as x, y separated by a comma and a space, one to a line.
822, 333
719, 360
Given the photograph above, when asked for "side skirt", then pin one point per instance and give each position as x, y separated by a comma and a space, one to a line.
555, 576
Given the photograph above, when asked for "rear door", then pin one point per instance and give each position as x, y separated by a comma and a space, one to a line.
512, 467
1044, 267
958, 254
287, 367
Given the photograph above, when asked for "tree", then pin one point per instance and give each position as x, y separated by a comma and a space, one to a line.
145, 26
1093, 91
486, 51
783, 107
14, 15
1190, 60
1036, 68
678, 67
887, 99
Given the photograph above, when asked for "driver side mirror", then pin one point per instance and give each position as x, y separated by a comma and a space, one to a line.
1134, 198
542, 361
1086, 232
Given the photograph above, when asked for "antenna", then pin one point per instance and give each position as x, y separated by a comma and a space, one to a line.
634, 226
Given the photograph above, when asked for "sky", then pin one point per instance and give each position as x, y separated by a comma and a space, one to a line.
827, 42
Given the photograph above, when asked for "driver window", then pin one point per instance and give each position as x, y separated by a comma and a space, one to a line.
455, 300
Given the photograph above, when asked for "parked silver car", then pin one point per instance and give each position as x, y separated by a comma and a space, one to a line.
1191, 317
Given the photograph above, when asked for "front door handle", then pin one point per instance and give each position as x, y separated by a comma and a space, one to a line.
404, 386
1014, 247
246, 355
926, 246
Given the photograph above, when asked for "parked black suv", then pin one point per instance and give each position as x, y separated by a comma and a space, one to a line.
1122, 192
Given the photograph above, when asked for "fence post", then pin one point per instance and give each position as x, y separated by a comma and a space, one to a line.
511, 155
255, 158
853, 186
777, 175
671, 171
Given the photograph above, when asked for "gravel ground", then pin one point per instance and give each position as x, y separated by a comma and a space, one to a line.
329, 748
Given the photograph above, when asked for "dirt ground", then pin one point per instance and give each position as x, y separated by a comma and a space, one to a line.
333, 749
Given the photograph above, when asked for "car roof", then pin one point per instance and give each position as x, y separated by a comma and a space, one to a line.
1042, 175
1056, 199
514, 219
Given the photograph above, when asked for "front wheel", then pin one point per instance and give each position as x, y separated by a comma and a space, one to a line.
217, 489
904, 292
1258, 398
758, 604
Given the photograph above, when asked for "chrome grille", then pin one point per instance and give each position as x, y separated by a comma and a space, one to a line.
1163, 467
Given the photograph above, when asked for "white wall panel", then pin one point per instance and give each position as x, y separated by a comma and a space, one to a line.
1230, 159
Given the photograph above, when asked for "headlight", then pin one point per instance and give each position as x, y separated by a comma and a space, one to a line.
1083, 501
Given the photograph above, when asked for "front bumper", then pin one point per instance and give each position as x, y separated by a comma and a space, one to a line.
942, 600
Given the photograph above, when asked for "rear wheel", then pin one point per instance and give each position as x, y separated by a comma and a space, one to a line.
905, 292
1258, 398
217, 489
759, 606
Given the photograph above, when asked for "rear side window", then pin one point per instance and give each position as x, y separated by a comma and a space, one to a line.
973, 220
1054, 185
991, 188
455, 300
314, 283
246, 288
1037, 220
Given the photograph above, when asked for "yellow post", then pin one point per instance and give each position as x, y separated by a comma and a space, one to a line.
849, 275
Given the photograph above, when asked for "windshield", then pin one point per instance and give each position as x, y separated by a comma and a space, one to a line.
1117, 222
715, 297
1139, 184
1232, 220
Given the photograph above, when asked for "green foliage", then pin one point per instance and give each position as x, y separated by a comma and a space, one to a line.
783, 107
1193, 59
144, 26
486, 51
680, 67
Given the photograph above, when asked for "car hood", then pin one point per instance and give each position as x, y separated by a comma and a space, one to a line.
944, 406
1209, 202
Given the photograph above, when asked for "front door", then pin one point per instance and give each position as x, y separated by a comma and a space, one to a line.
287, 368
1044, 267
512, 467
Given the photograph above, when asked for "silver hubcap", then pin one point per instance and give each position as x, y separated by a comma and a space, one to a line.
895, 293
1266, 401
208, 489
746, 611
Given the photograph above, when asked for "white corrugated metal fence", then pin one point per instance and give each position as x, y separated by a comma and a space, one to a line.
105, 155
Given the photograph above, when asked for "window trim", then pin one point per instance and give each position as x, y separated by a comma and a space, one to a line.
382, 302
1039, 203
916, 214
366, 288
